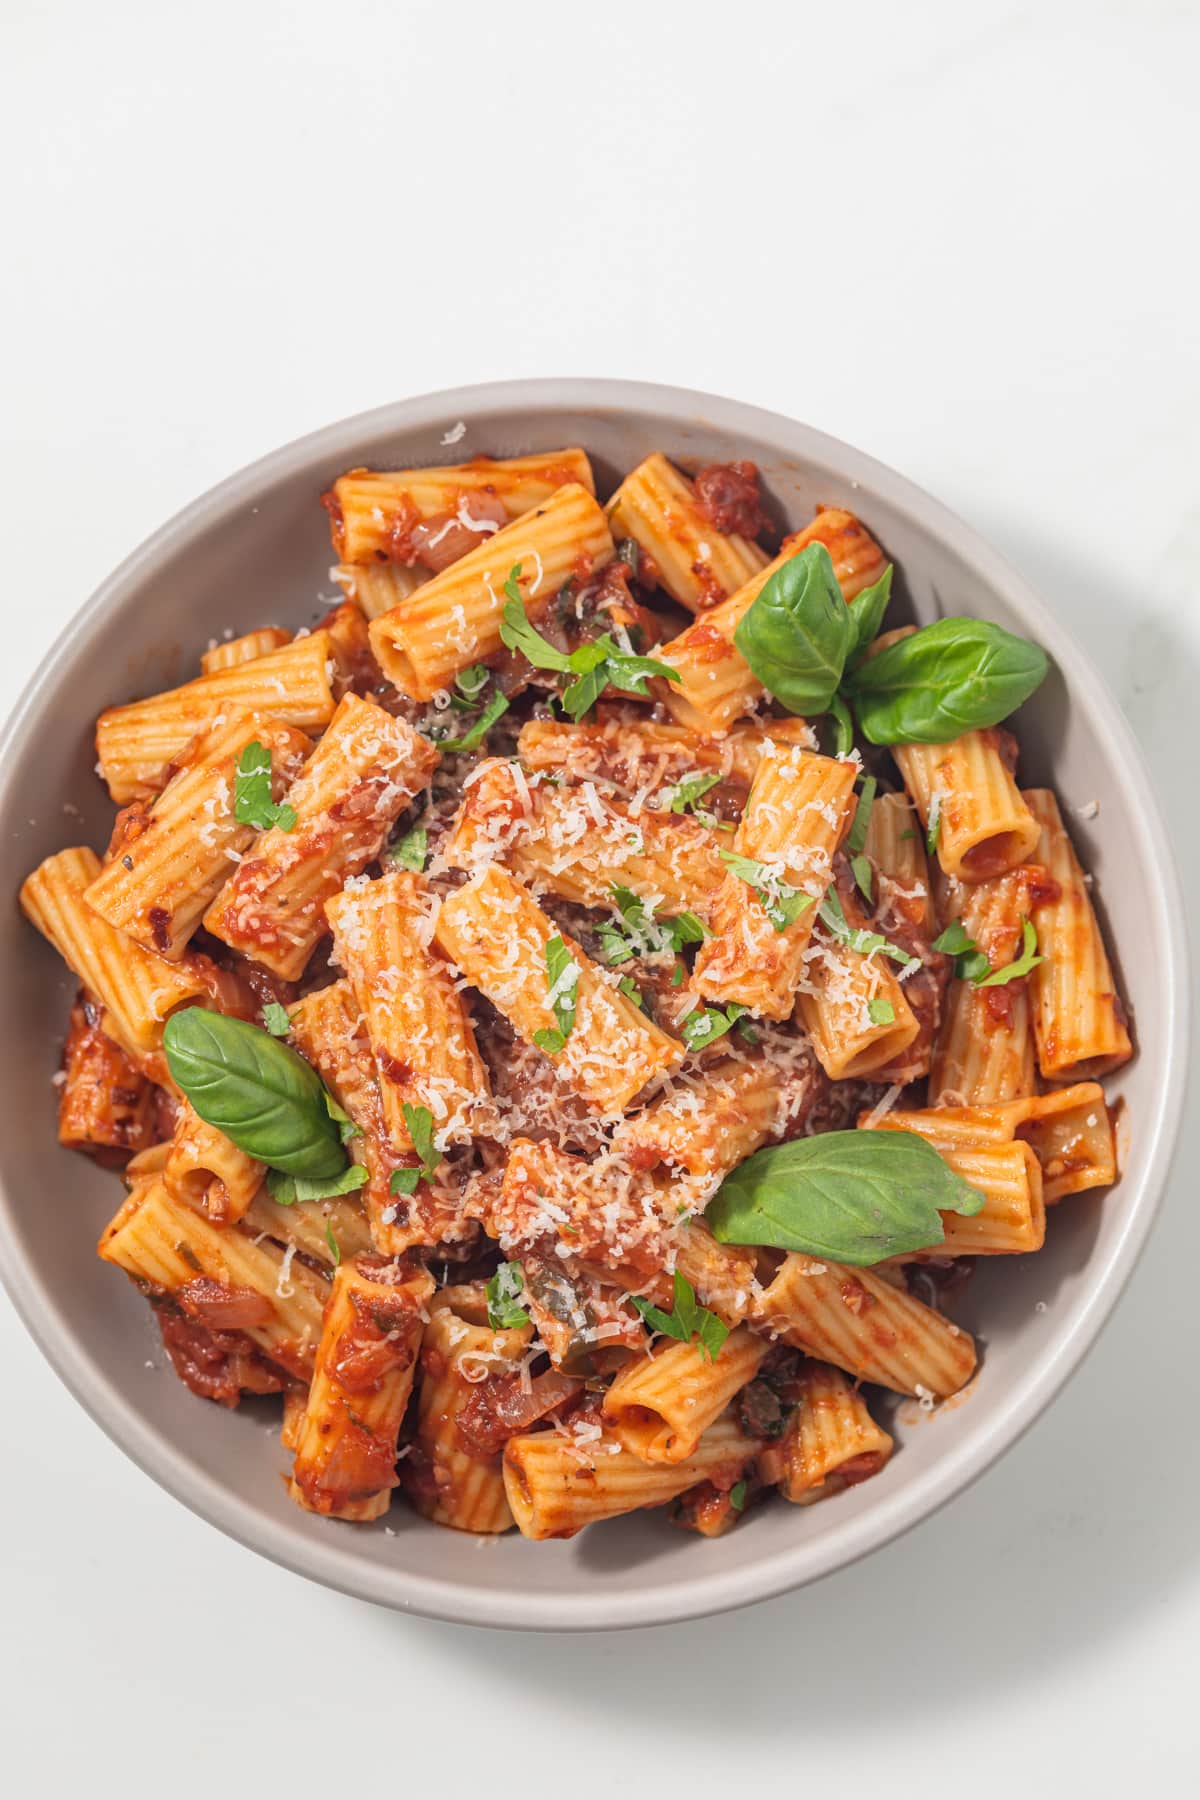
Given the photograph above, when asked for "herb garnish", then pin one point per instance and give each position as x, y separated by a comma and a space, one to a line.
687, 1321
252, 802
781, 903
596, 665
504, 1311
562, 975
853, 1196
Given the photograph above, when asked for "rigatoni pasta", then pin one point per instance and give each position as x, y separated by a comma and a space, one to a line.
565, 1071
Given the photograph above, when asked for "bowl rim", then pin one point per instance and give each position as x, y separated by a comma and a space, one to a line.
718, 1589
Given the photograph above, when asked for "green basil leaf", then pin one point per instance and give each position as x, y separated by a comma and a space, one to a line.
549, 1040
471, 682
275, 1019
856, 837
286, 1190
629, 987
852, 1196
843, 726
252, 802
687, 1320
335, 1249
796, 633
562, 975
686, 793
781, 903
347, 1129
702, 1027
881, 1012
865, 942
405, 1180
516, 632
411, 851
685, 928
737, 1496
678, 975
954, 940
864, 876
259, 1092
504, 1310
866, 616
419, 1120
580, 696
471, 740
1028, 959
953, 676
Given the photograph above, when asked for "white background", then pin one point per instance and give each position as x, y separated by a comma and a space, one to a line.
962, 237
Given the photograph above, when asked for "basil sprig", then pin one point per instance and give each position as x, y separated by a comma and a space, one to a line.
808, 648
687, 1321
258, 1091
953, 676
853, 1196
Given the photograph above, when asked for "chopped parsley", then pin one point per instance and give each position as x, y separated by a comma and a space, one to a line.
685, 794
703, 1026
419, 1121
881, 1012
471, 740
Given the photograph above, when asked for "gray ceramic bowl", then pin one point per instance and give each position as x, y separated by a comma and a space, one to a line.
256, 550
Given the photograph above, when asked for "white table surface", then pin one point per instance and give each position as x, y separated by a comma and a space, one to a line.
961, 237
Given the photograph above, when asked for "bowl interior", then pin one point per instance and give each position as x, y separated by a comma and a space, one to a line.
257, 551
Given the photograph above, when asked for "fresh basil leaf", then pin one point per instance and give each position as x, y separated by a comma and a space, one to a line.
405, 1180
678, 974
252, 802
471, 740
933, 831
562, 975
419, 1121
411, 851
347, 1129
843, 726
275, 1019
258, 1091
286, 1190
864, 876
687, 1321
781, 903
694, 787
854, 1197
549, 1040
471, 682
504, 1310
866, 616
970, 962
796, 633
953, 676
881, 1012
629, 987
595, 666
702, 1027
335, 1249
685, 928
1028, 959
737, 1496
856, 837
516, 632
865, 942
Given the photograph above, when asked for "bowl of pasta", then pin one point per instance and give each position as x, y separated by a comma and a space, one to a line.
597, 962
